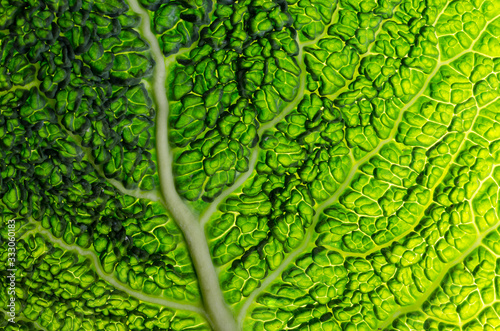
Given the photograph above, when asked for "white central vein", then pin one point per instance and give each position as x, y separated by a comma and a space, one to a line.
215, 306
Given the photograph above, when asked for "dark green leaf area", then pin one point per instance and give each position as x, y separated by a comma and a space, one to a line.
19, 326
59, 290
177, 23
332, 63
87, 59
46, 177
311, 17
15, 68
223, 94
358, 21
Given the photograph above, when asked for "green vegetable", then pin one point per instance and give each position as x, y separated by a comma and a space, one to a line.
254, 165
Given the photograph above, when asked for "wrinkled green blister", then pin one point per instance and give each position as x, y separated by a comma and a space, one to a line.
249, 165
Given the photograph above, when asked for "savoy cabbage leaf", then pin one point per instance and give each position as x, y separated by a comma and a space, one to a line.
249, 165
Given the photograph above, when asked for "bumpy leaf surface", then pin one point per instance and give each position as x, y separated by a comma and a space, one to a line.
249, 165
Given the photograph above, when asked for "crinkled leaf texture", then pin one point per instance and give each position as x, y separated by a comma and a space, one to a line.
249, 165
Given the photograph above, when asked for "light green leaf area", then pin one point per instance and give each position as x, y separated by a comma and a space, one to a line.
249, 165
